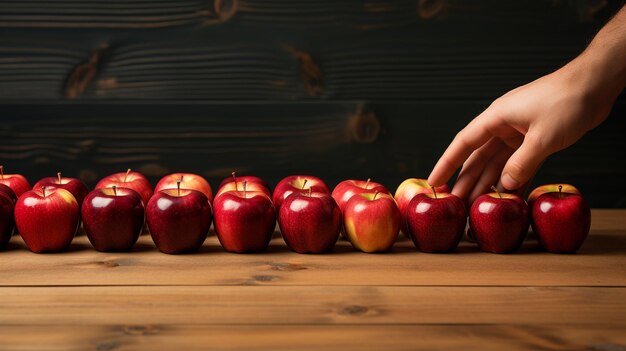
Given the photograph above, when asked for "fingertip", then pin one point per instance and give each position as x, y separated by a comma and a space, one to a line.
433, 180
509, 182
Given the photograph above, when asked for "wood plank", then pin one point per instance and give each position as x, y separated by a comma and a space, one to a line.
353, 68
272, 140
312, 337
311, 305
601, 262
155, 14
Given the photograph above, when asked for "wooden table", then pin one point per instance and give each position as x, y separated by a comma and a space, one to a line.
145, 300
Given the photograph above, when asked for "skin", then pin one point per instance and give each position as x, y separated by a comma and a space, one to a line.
508, 142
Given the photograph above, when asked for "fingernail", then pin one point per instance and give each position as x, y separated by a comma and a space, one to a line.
509, 183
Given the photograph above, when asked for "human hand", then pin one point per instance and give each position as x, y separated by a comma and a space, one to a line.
507, 143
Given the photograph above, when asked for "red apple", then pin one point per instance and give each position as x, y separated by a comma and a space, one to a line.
372, 221
244, 220
179, 220
348, 188
297, 184
436, 221
73, 185
188, 181
499, 222
129, 179
408, 189
310, 223
561, 221
550, 188
47, 218
16, 182
7, 221
113, 218
5, 190
235, 183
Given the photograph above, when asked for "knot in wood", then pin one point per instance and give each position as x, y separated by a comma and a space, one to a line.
309, 70
265, 278
83, 74
108, 345
225, 9
285, 266
353, 310
429, 9
364, 127
139, 329
109, 264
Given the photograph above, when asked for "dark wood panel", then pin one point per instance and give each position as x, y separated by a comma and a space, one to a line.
364, 68
91, 141
284, 50
364, 15
387, 142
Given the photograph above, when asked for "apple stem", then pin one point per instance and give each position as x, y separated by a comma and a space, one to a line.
375, 194
126, 176
2, 171
234, 174
560, 187
59, 177
245, 183
114, 190
178, 186
496, 190
304, 184
43, 191
367, 183
310, 189
434, 191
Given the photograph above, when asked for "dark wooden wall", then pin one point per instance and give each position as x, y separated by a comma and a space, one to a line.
273, 87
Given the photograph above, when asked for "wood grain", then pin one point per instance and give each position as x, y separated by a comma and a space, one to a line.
378, 68
157, 14
311, 305
312, 337
601, 262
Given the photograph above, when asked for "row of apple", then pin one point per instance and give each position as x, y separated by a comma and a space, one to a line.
180, 210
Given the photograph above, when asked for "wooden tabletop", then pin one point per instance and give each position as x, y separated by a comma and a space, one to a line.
146, 300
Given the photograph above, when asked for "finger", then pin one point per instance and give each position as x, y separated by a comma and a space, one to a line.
473, 136
474, 167
491, 174
524, 163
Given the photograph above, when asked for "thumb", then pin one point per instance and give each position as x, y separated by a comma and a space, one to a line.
524, 163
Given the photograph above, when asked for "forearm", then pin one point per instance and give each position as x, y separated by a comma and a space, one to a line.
603, 63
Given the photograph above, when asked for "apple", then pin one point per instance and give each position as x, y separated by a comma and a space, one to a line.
499, 221
561, 220
7, 221
73, 185
17, 182
371, 221
297, 183
5, 190
436, 221
348, 188
310, 223
47, 218
244, 220
235, 183
408, 189
550, 188
240, 179
129, 179
179, 219
187, 181
113, 218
